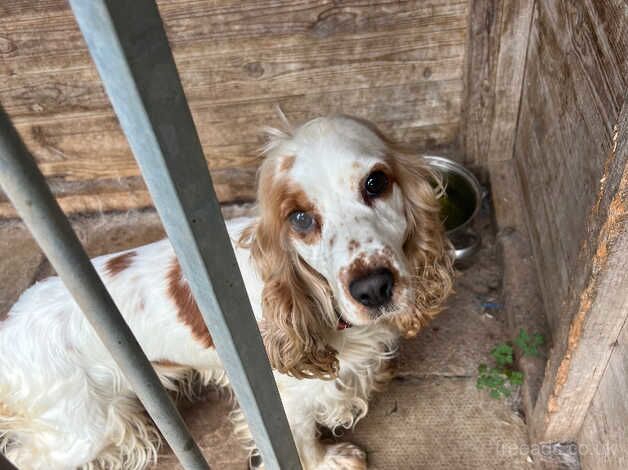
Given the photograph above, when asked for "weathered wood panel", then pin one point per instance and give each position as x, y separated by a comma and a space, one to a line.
576, 77
603, 440
399, 64
572, 165
495, 64
598, 310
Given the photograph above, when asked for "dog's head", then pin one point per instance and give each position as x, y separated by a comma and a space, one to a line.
348, 234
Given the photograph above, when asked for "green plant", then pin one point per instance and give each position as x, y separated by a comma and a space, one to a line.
501, 379
529, 345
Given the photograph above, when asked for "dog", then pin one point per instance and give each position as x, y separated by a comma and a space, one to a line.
346, 255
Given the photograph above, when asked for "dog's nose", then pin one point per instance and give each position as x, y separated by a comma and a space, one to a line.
374, 289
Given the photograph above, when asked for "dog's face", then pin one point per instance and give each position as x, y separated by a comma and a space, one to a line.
348, 235
346, 218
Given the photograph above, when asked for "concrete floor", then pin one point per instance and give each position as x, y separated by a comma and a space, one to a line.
431, 416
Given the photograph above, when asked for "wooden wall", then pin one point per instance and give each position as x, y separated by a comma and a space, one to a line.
603, 439
601, 378
574, 88
495, 65
399, 64
572, 170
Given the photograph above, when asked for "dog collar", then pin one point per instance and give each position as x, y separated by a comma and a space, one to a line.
342, 323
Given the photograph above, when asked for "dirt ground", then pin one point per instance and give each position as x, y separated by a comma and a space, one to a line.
430, 417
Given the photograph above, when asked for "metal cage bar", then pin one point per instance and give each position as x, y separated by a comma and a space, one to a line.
26, 187
128, 43
5, 464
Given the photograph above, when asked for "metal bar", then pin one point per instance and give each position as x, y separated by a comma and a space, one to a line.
5, 464
26, 187
129, 46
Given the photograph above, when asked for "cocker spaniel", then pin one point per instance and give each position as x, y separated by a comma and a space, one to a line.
347, 254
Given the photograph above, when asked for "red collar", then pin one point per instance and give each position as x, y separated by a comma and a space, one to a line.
343, 324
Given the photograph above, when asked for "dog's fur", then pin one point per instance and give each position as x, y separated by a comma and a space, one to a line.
65, 404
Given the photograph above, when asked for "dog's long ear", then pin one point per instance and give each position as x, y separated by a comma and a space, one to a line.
426, 245
296, 300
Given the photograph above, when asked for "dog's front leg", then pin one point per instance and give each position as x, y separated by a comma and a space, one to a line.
302, 402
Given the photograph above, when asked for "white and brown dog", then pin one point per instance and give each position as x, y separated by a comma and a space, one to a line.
346, 255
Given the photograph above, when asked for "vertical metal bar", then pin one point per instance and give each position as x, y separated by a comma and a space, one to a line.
26, 187
129, 46
5, 464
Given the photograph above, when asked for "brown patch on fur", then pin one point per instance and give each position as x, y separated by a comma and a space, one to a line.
426, 246
188, 312
117, 264
297, 302
286, 163
5, 411
282, 196
364, 264
353, 245
332, 240
167, 363
295, 199
386, 373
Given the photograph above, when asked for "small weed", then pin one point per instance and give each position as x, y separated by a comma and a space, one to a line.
502, 353
501, 379
529, 345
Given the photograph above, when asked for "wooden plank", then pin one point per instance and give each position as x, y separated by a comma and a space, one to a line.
480, 70
240, 51
496, 57
231, 185
598, 308
570, 152
67, 147
602, 440
516, 19
107, 202
219, 23
571, 100
218, 77
398, 64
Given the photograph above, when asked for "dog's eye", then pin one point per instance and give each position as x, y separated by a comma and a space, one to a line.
375, 183
301, 221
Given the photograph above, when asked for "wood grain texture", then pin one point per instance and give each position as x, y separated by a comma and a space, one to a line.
573, 92
599, 311
516, 19
572, 165
399, 64
603, 437
495, 64
231, 185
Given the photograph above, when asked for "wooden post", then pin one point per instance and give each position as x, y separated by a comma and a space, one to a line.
496, 57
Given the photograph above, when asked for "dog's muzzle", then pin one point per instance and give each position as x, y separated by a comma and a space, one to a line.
374, 289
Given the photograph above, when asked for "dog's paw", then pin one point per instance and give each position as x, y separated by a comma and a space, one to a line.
343, 456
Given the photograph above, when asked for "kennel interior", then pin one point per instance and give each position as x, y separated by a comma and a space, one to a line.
531, 95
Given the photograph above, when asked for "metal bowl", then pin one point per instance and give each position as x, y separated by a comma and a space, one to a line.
460, 204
